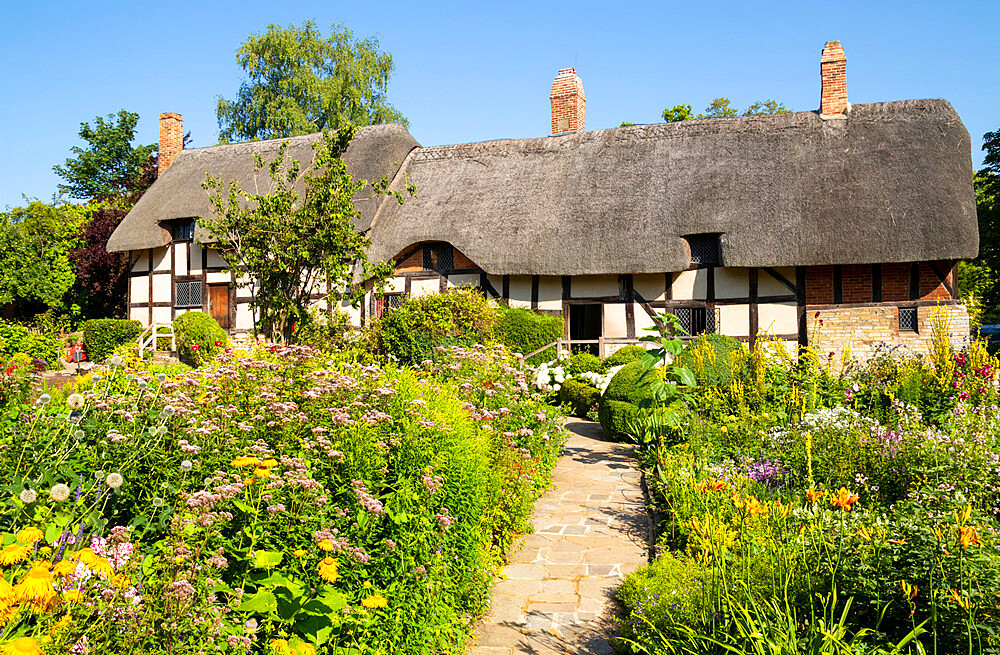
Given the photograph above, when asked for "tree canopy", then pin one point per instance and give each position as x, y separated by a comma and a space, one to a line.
722, 108
299, 82
979, 279
109, 165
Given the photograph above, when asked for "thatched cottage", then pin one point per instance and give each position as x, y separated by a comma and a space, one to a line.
853, 215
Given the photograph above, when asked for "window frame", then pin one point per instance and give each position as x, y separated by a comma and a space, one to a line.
916, 320
177, 295
183, 226
698, 243
432, 254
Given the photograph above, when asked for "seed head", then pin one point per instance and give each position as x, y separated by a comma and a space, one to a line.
116, 360
28, 496
186, 465
59, 492
78, 434
143, 384
44, 399
114, 480
157, 502
75, 401
161, 377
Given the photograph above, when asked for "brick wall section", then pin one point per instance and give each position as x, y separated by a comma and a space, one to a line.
833, 70
862, 330
895, 282
857, 283
171, 140
461, 261
819, 285
414, 262
931, 288
568, 102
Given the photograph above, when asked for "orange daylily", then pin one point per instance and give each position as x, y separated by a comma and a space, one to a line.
712, 485
844, 499
967, 536
814, 495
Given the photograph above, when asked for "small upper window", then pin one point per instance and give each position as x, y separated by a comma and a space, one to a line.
182, 229
907, 319
705, 249
439, 257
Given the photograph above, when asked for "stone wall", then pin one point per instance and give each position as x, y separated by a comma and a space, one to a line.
862, 330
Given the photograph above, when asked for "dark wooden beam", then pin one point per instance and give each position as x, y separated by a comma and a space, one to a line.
567, 287
754, 312
150, 299
487, 286
506, 291
710, 285
669, 290
915, 281
628, 291
535, 281
800, 293
838, 284
780, 278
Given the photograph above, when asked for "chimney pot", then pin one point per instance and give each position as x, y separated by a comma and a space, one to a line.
833, 72
171, 140
568, 102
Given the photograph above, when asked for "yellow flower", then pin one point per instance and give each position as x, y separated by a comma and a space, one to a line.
298, 552
73, 595
64, 568
29, 535
712, 485
326, 545
245, 460
302, 648
101, 566
35, 588
280, 646
328, 569
13, 554
6, 591
262, 472
844, 499
23, 646
967, 536
83, 555
269, 462
780, 509
753, 507
375, 601
61, 623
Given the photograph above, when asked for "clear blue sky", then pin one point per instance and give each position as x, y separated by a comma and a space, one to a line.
474, 71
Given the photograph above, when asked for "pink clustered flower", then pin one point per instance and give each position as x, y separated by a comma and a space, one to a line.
369, 502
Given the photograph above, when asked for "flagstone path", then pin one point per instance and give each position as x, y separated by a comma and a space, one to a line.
556, 595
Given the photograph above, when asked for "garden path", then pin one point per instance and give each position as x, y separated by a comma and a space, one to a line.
556, 594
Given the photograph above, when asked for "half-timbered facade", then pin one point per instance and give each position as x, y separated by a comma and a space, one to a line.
839, 228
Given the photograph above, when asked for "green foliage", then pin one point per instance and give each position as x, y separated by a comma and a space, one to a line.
619, 410
289, 247
411, 332
583, 363
102, 335
35, 243
16, 338
708, 356
300, 82
979, 286
109, 165
678, 113
199, 337
324, 330
722, 108
624, 355
579, 395
524, 331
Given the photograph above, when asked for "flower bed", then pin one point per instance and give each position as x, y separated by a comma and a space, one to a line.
280, 501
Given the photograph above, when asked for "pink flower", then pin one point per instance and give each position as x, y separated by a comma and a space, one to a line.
194, 346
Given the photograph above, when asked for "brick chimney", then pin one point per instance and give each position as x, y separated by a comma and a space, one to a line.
833, 70
171, 140
568, 102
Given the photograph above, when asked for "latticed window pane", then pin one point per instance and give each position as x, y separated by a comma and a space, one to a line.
710, 321
393, 300
439, 257
684, 315
699, 317
194, 295
704, 248
907, 319
181, 295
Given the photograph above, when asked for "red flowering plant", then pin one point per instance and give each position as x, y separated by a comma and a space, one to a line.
15, 378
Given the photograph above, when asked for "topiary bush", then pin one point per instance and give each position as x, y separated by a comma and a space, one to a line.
708, 357
410, 332
619, 407
579, 395
624, 355
524, 331
102, 335
584, 363
199, 337
16, 338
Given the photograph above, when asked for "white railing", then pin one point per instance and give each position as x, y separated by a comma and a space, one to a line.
149, 336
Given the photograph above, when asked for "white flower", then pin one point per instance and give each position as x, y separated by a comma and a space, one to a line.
143, 384
96, 377
59, 493
167, 411
28, 496
75, 401
161, 377
116, 360
114, 480
186, 465
44, 399
78, 434
157, 502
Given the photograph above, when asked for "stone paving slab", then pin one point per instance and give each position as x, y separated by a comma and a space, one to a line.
556, 594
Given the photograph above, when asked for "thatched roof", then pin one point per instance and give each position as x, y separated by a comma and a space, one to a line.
375, 152
891, 183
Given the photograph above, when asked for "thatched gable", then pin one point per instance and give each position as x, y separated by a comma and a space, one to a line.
375, 152
891, 183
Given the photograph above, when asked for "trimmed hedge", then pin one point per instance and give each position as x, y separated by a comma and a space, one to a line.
696, 356
624, 355
199, 337
102, 335
524, 331
16, 338
579, 395
584, 363
619, 407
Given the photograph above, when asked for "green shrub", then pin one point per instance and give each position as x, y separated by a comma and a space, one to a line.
579, 395
708, 358
619, 407
461, 317
16, 338
524, 331
584, 363
324, 330
199, 337
102, 335
624, 355
660, 597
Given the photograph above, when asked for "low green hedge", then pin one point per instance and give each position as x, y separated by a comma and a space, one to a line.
579, 395
102, 335
624, 355
524, 331
619, 408
199, 337
584, 363
16, 338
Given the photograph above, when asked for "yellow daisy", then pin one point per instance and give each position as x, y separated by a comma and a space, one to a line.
29, 535
35, 588
328, 569
245, 460
13, 553
375, 601
326, 545
23, 646
64, 568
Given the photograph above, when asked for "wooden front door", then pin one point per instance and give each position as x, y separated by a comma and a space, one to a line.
218, 304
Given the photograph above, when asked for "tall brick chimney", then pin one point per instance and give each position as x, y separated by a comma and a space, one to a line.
171, 140
568, 102
833, 70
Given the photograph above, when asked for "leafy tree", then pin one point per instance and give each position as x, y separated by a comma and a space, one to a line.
299, 83
110, 164
722, 108
288, 248
979, 280
101, 275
